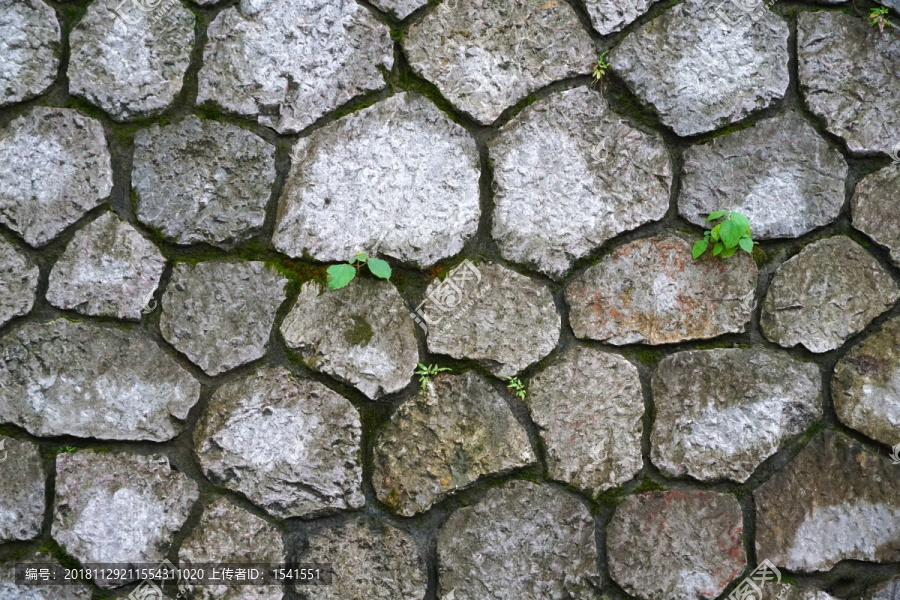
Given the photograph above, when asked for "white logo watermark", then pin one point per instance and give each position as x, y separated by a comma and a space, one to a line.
752, 9
447, 296
124, 18
751, 588
895, 455
895, 153
147, 590
149, 304
3, 451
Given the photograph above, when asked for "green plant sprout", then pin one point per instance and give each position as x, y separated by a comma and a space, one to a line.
517, 387
729, 235
340, 275
878, 18
426, 372
601, 67
66, 449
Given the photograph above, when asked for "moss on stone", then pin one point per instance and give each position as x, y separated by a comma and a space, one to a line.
360, 332
648, 485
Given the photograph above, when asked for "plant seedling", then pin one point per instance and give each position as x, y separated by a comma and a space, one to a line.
340, 275
601, 67
66, 449
878, 18
726, 237
426, 372
515, 385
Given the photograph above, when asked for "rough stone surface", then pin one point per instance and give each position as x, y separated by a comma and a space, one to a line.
11, 591
400, 8
652, 291
203, 181
676, 545
589, 406
29, 49
444, 439
874, 208
220, 314
362, 334
779, 173
522, 541
399, 178
129, 58
701, 75
784, 591
230, 534
484, 56
55, 168
862, 104
64, 378
609, 16
722, 412
837, 500
866, 385
370, 560
22, 493
296, 60
506, 322
600, 175
291, 446
113, 507
828, 292
18, 282
889, 590
107, 269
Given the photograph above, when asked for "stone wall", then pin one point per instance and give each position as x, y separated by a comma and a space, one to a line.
176, 383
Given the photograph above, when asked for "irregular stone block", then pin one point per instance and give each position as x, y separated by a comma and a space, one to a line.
521, 541
12, 591
828, 292
484, 57
678, 545
652, 291
220, 314
18, 282
589, 407
861, 105
370, 560
444, 439
22, 502
29, 49
296, 60
400, 8
779, 173
722, 412
506, 322
598, 175
701, 73
203, 181
129, 58
874, 208
55, 168
108, 268
837, 500
65, 378
361, 334
291, 446
887, 590
399, 178
113, 507
611, 16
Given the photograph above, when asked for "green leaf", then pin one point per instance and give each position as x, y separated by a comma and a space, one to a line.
746, 244
699, 248
715, 232
717, 249
340, 275
379, 268
741, 221
728, 252
718, 214
360, 257
731, 232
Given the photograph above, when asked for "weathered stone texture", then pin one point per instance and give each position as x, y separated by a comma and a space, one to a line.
837, 500
522, 541
700, 75
28, 591
119, 508
779, 173
107, 269
362, 334
295, 60
400, 8
203, 181
64, 378
676, 545
29, 49
445, 438
22, 491
828, 292
874, 207
220, 314
848, 77
291, 446
129, 58
609, 16
888, 590
506, 321
589, 407
371, 560
721, 413
18, 282
55, 168
652, 291
399, 178
569, 174
484, 57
